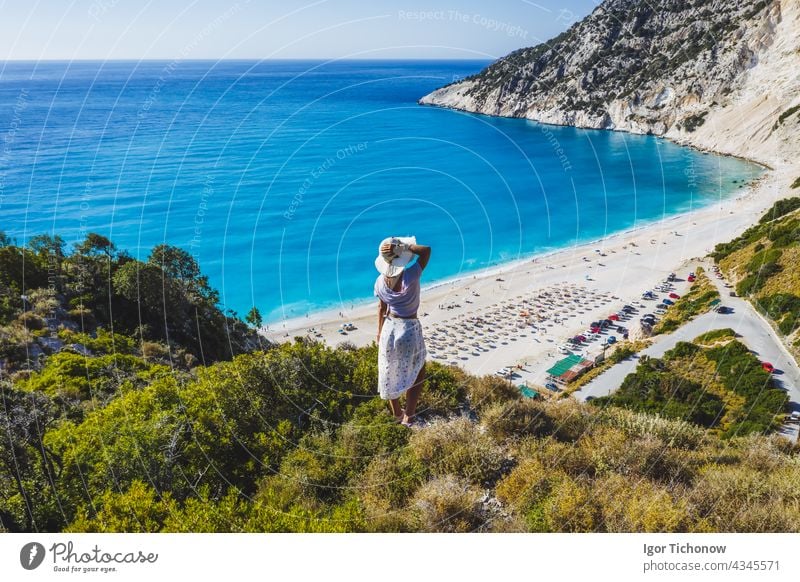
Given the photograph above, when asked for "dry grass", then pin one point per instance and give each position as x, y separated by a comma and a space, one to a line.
448, 504
458, 447
788, 280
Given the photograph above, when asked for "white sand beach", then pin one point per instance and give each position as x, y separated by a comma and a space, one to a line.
520, 313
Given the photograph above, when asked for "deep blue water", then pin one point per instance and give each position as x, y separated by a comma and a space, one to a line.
282, 177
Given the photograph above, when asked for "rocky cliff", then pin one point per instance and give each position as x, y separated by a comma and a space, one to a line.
718, 74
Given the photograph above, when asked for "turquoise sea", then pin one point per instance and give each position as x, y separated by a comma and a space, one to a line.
281, 177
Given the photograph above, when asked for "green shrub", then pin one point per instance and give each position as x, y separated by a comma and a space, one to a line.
444, 390
715, 335
781, 208
654, 389
749, 284
786, 114
30, 320
783, 308
761, 258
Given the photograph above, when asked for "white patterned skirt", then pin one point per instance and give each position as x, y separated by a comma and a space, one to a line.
401, 355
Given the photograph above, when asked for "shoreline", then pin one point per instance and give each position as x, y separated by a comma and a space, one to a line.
628, 263
326, 314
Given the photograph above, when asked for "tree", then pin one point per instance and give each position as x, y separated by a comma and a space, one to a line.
141, 283
20, 269
29, 469
46, 245
254, 318
180, 266
95, 244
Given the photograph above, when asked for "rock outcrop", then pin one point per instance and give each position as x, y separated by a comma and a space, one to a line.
717, 74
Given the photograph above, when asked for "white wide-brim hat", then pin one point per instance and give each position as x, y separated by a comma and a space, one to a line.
392, 264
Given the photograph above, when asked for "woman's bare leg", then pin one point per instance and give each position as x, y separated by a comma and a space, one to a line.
412, 395
397, 411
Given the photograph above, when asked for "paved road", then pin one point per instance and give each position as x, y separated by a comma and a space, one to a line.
756, 334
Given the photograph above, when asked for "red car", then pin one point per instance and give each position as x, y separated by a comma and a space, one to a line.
690, 278
767, 367
594, 329
614, 317
674, 296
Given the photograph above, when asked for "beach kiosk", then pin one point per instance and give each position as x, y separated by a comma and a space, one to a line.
568, 369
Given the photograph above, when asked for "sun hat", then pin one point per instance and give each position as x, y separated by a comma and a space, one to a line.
393, 263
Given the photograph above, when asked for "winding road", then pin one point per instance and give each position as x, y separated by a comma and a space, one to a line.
755, 333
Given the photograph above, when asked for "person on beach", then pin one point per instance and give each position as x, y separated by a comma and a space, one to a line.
401, 347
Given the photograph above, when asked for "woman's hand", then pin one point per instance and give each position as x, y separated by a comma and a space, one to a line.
396, 247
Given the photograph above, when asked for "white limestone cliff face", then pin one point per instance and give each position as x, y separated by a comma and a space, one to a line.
716, 74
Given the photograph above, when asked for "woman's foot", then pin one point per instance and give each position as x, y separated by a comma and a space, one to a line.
399, 418
410, 421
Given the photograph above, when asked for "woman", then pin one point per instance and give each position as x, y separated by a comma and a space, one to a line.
401, 348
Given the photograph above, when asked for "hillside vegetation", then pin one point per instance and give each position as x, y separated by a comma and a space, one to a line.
721, 387
52, 297
108, 433
763, 264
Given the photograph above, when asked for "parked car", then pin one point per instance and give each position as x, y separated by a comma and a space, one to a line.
732, 293
613, 317
767, 367
552, 387
794, 416
667, 302
674, 296
691, 278
611, 340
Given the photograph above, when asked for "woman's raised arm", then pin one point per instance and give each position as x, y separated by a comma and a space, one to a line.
423, 252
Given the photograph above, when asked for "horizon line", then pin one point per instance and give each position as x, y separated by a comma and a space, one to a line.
249, 59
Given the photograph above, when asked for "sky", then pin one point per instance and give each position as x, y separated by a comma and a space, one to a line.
263, 29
